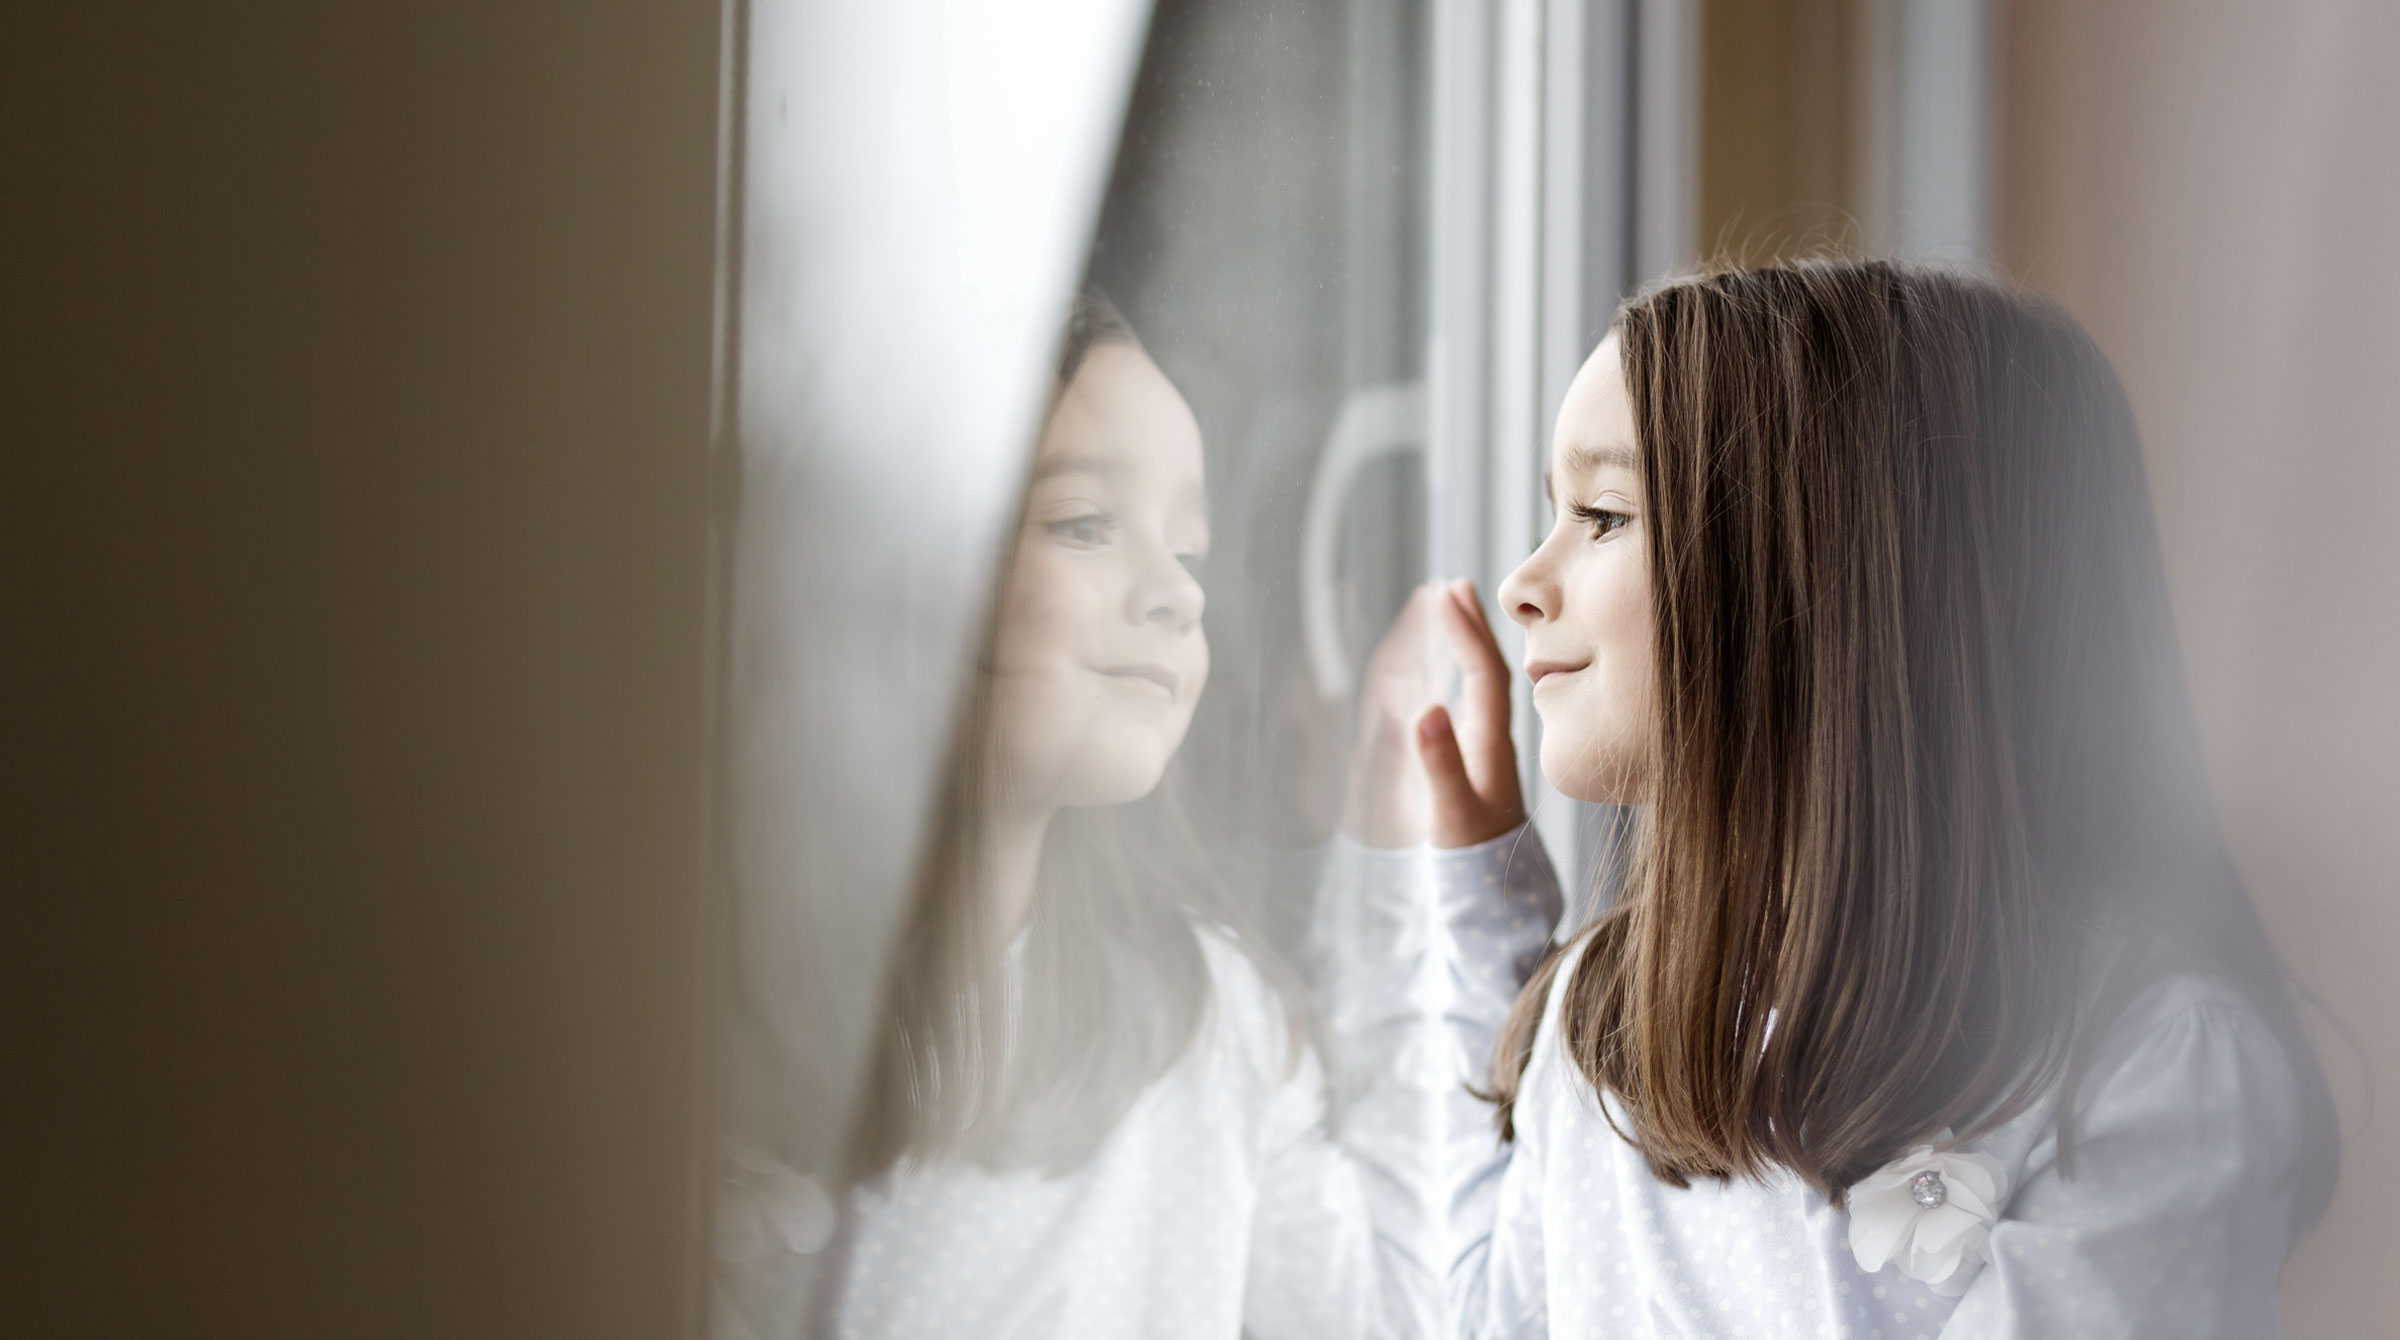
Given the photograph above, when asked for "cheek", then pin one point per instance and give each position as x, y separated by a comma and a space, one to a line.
1622, 624
1191, 661
1039, 702
1043, 613
1195, 669
1595, 735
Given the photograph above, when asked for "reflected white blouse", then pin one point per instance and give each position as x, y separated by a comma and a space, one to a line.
1241, 1195
1218, 1204
2175, 1222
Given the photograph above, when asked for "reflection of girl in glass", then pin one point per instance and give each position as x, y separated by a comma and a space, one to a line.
1933, 1003
1099, 1109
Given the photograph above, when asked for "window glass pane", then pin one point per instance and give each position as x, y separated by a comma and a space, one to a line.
1264, 235
1161, 1049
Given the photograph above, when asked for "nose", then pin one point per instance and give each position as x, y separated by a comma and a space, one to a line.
1530, 594
1165, 593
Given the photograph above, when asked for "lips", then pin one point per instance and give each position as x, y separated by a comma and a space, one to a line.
1147, 676
1537, 671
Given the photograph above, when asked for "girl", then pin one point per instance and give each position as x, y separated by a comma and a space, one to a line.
1100, 1108
1932, 1003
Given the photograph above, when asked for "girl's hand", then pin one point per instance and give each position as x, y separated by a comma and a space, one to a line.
1386, 803
1414, 775
1470, 768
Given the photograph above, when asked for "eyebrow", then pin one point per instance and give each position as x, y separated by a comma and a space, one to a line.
1194, 499
1074, 465
1584, 459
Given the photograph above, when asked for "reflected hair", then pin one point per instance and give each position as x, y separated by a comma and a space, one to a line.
1093, 321
1927, 804
1035, 1067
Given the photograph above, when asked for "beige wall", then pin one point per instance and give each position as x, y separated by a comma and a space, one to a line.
1781, 167
2216, 190
353, 580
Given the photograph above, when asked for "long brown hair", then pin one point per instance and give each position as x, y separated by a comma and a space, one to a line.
1035, 1068
1927, 808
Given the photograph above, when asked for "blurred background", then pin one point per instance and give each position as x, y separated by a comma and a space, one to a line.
499, 500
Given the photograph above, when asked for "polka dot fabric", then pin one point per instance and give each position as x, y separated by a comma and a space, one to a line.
2174, 1224
1155, 1236
1242, 1196
1365, 1193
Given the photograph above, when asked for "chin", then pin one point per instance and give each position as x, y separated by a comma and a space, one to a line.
1113, 789
1587, 771
1116, 779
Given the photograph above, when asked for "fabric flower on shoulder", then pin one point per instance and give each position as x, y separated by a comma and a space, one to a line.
1930, 1212
766, 1209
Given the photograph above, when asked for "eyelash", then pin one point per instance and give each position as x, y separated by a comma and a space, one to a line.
1064, 530
1603, 522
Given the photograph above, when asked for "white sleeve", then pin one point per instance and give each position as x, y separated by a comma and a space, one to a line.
1497, 906
1373, 965
1419, 955
2176, 1220
1499, 1282
1315, 1271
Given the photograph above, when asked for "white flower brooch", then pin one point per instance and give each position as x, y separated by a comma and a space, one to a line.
765, 1208
1930, 1212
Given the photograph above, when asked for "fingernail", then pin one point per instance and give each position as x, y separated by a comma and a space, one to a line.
1430, 726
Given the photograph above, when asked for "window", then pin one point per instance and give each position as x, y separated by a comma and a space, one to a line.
1328, 266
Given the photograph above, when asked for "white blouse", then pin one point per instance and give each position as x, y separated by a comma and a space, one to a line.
1227, 1204
2175, 1221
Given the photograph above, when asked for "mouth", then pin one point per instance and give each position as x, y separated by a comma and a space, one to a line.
1146, 678
1541, 671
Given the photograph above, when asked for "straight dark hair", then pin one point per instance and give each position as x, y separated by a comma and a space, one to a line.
1114, 985
1928, 808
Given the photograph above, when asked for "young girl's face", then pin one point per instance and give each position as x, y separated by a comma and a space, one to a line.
1100, 656
1584, 598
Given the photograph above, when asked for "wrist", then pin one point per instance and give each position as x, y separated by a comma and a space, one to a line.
1474, 831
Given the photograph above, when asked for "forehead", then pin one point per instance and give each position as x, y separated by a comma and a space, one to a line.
1120, 416
1595, 419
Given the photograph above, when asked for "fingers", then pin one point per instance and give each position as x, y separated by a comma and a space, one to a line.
1472, 642
1471, 601
1396, 673
1484, 685
1469, 765
1401, 642
1453, 791
1462, 813
1386, 802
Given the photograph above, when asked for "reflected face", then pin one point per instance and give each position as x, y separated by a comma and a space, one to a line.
1584, 599
1100, 656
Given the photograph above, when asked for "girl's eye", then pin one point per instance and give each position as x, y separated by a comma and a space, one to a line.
1603, 523
1088, 531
